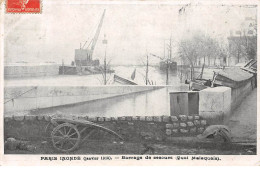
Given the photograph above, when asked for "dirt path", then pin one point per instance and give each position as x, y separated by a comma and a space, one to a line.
96, 147
243, 123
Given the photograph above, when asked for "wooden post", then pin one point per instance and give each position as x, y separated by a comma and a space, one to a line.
105, 73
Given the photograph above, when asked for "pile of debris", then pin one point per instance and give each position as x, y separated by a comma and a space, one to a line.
13, 144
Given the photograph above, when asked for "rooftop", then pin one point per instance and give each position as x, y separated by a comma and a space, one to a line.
235, 74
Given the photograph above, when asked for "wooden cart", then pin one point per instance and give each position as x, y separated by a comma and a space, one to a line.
69, 133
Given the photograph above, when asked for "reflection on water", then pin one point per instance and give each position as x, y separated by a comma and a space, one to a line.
159, 76
150, 103
155, 75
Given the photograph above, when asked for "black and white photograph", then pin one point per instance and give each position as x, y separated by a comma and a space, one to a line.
168, 80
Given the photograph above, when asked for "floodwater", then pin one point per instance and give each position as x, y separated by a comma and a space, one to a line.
149, 103
158, 77
155, 76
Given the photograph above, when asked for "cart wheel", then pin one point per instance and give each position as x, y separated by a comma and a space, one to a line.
65, 137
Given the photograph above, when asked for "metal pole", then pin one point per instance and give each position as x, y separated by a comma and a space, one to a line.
146, 76
105, 66
167, 72
105, 75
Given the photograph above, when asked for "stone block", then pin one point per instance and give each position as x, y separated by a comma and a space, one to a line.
190, 124
122, 118
174, 118
135, 118
101, 119
165, 118
215, 103
128, 118
190, 118
203, 122
184, 131
183, 125
193, 130
176, 125
168, 132
142, 118
107, 118
40, 118
18, 118
83, 118
175, 131
30, 118
92, 119
114, 118
11, 144
8, 119
201, 129
157, 118
183, 117
148, 118
196, 122
169, 126
196, 117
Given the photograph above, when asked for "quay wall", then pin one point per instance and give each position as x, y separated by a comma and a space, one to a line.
131, 128
238, 94
16, 71
219, 103
215, 104
35, 97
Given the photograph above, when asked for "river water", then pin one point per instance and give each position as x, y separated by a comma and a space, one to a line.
155, 76
149, 103
158, 77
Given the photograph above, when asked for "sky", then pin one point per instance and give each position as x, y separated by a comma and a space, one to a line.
132, 30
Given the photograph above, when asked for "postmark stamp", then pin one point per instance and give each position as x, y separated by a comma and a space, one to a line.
23, 6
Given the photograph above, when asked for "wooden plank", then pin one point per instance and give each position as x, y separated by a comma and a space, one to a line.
179, 103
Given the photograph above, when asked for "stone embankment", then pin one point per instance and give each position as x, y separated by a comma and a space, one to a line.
131, 128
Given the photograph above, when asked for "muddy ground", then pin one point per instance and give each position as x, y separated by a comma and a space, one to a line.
97, 147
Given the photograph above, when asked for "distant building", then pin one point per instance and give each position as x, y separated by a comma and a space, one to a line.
243, 43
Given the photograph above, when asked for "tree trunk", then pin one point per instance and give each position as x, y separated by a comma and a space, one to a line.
192, 72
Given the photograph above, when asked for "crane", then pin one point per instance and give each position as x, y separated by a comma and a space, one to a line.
83, 57
94, 41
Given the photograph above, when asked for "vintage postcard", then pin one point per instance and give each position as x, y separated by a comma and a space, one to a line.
129, 82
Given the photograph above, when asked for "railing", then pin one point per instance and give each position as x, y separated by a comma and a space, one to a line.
20, 95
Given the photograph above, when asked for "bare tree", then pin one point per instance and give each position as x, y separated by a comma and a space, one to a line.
106, 73
197, 47
188, 52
